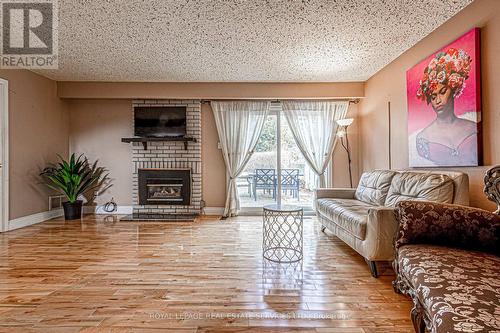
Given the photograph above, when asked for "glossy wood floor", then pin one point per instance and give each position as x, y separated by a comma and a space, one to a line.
101, 275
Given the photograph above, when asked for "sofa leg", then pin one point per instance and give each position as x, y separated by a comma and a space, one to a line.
373, 268
417, 318
323, 228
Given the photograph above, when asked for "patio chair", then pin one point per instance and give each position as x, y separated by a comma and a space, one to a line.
290, 182
264, 179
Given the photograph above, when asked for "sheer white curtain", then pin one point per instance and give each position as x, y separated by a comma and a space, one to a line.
239, 124
314, 128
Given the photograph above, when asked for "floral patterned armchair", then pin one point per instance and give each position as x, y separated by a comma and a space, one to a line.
447, 261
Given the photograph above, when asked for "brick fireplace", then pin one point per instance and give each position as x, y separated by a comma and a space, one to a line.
174, 168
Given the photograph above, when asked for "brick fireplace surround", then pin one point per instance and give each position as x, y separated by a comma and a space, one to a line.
171, 155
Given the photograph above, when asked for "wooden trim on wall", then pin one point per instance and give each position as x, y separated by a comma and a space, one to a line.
209, 90
390, 134
4, 158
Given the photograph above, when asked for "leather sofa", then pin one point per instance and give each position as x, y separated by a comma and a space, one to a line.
447, 261
364, 217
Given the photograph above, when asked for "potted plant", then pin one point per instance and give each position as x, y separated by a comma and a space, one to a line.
73, 178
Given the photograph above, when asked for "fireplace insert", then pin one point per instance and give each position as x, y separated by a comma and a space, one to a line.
164, 187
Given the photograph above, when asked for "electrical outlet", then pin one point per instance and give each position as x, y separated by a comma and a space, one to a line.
219, 146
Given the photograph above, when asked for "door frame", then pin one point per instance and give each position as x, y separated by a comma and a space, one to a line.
4, 156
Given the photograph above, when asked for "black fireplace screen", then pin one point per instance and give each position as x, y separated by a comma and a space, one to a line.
164, 187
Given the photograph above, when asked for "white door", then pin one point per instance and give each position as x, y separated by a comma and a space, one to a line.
4, 154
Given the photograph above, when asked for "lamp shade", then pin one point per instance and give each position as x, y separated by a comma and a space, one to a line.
345, 122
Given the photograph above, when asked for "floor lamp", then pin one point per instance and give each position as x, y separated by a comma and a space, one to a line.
342, 133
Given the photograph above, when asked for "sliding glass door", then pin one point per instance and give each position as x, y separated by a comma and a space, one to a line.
277, 172
257, 185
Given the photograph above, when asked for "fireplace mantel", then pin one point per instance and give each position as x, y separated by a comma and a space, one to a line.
145, 141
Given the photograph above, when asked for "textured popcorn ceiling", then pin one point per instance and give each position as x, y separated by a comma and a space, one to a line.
240, 40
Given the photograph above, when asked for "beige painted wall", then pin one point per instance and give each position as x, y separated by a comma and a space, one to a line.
214, 170
340, 161
38, 130
96, 129
389, 85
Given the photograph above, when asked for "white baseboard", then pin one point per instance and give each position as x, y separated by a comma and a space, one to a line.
120, 210
25, 221
213, 210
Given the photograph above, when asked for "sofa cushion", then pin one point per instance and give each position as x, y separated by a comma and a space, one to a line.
349, 214
373, 186
421, 187
458, 289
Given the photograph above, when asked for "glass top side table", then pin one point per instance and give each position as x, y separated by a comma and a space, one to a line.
283, 233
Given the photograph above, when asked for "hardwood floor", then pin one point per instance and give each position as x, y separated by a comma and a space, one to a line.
102, 275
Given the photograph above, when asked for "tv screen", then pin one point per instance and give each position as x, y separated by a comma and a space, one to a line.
158, 122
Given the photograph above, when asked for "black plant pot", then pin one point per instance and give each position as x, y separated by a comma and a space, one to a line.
72, 210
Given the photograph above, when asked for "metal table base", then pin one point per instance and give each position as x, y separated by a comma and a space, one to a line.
283, 233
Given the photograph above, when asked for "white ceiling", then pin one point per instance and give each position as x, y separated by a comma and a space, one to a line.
239, 40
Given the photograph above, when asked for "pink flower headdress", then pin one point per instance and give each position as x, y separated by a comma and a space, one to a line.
450, 68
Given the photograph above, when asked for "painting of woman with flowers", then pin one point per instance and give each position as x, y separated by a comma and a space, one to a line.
444, 106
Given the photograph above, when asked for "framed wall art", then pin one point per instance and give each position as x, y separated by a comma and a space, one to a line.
444, 106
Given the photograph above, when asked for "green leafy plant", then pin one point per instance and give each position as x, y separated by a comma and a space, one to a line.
75, 177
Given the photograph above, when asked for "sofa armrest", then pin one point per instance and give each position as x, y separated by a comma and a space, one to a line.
448, 225
381, 230
338, 193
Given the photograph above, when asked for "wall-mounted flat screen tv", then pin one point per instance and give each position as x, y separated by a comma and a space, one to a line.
160, 121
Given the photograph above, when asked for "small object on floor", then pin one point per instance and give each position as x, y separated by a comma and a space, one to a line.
110, 206
160, 217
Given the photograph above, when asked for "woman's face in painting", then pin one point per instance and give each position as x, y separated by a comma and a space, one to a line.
441, 99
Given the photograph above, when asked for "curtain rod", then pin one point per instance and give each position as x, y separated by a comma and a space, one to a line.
351, 101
